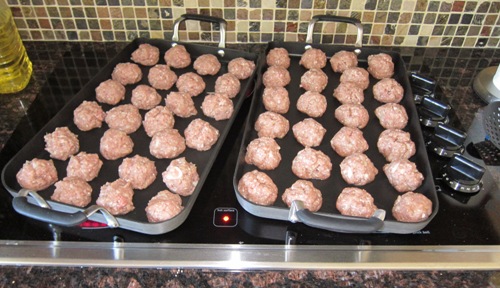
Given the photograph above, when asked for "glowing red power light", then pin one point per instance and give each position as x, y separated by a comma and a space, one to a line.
226, 218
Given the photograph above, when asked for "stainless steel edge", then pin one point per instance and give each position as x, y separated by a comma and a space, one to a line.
246, 257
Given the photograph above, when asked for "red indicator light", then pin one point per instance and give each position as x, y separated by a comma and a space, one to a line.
226, 218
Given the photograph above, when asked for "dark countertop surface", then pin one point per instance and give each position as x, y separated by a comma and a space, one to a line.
454, 70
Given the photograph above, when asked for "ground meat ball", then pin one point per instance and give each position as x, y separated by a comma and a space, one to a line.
388, 90
228, 85
62, 143
207, 64
312, 164
403, 175
37, 174
392, 116
163, 206
357, 76
200, 135
303, 190
161, 77
309, 132
314, 80
241, 68
157, 119
217, 106
145, 97
349, 140
139, 171
180, 104
356, 202
352, 115
380, 66
263, 152
349, 93
110, 92
412, 207
167, 143
270, 124
276, 76
276, 99
115, 144
190, 83
116, 197
72, 191
278, 57
258, 188
312, 103
125, 118
177, 57
395, 144
357, 169
181, 177
313, 58
84, 165
343, 60
146, 54
88, 115
127, 73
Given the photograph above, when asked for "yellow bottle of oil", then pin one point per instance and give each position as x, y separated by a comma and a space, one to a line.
15, 66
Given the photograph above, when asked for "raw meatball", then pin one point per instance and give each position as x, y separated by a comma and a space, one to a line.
352, 115
276, 99
88, 115
313, 58
241, 68
228, 85
276, 76
303, 190
37, 174
72, 191
84, 165
264, 153
116, 197
392, 116
357, 76
167, 143
312, 164
207, 64
403, 175
115, 144
278, 57
125, 118
145, 97
258, 188
356, 202
309, 132
157, 119
190, 83
388, 90
395, 144
312, 103
357, 169
181, 177
139, 171
380, 65
127, 73
146, 54
349, 93
343, 60
349, 140
200, 135
270, 124
180, 104
161, 77
110, 92
314, 80
412, 207
217, 106
177, 57
163, 206
62, 143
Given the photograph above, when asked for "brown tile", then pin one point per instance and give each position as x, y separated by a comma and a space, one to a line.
62, 2
96, 35
128, 12
280, 14
305, 15
319, 4
102, 12
458, 6
490, 19
267, 14
291, 27
229, 3
255, 14
44, 23
375, 40
242, 14
41, 12
380, 17
48, 35
203, 3
141, 13
115, 12
405, 17
293, 3
486, 31
421, 5
368, 17
36, 35
65, 12
105, 24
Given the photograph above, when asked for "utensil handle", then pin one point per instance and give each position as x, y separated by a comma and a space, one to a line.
204, 18
333, 18
343, 224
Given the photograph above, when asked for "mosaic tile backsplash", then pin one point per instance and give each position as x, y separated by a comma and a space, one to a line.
412, 23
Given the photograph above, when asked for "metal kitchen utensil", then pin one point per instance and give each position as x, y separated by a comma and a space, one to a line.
491, 122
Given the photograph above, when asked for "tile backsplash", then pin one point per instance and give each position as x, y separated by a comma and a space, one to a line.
423, 23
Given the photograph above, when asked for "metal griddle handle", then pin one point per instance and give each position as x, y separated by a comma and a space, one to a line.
333, 18
205, 18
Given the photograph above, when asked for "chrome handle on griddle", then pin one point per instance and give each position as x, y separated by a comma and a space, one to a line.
205, 18
333, 18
